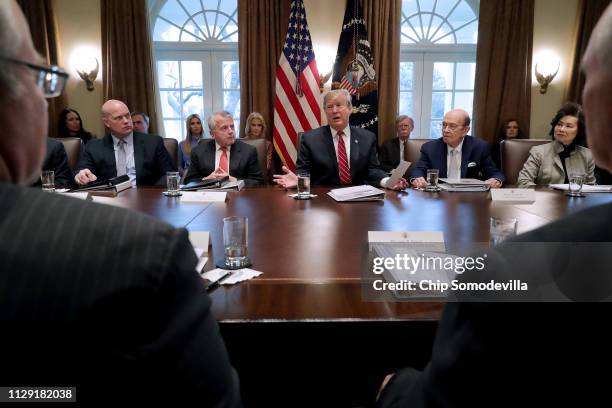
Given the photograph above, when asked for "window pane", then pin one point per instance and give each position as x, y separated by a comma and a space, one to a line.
194, 30
165, 32
464, 100
192, 74
406, 75
193, 102
231, 102
434, 130
444, 7
441, 102
443, 35
426, 5
171, 104
168, 74
465, 75
409, 7
187, 37
193, 6
416, 23
173, 12
461, 15
174, 129
227, 6
468, 34
443, 75
406, 103
231, 75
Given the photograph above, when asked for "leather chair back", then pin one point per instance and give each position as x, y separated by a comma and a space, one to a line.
73, 146
414, 150
514, 153
260, 146
171, 146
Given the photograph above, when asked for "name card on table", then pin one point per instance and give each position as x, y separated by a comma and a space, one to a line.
513, 195
200, 240
414, 238
203, 197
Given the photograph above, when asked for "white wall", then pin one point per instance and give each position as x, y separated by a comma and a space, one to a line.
79, 25
554, 23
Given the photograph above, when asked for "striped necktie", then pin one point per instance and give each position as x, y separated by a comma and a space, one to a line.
343, 167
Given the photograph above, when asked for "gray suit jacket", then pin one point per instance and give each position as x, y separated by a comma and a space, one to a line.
543, 166
106, 300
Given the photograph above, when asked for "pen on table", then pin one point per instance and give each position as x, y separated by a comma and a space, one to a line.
218, 282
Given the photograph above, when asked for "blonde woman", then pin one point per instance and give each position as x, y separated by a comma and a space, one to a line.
256, 129
195, 132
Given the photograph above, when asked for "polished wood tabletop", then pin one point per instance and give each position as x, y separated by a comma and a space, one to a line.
312, 253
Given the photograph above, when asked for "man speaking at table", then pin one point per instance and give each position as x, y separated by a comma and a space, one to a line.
338, 154
457, 155
142, 157
92, 296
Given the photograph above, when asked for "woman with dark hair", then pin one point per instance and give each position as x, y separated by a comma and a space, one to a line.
194, 133
553, 162
508, 130
70, 124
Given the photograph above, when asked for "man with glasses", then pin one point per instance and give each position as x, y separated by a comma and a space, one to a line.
457, 155
92, 296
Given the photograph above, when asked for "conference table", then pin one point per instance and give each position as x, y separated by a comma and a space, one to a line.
307, 307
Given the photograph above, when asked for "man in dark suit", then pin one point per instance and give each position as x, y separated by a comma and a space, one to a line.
56, 160
457, 155
142, 157
517, 354
91, 296
223, 155
338, 154
394, 150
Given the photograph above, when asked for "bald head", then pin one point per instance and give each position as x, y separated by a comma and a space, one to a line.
597, 93
116, 116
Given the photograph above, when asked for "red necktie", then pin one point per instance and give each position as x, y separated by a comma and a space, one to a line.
343, 167
223, 164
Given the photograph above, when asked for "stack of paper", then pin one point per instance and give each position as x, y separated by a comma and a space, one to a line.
226, 277
586, 188
357, 193
464, 184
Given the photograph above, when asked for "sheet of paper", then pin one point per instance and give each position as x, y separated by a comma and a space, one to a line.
398, 173
214, 274
241, 275
201, 264
586, 188
200, 241
513, 195
203, 197
82, 196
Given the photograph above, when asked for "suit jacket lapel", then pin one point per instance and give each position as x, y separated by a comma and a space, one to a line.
235, 157
209, 157
443, 153
328, 141
354, 151
109, 156
138, 154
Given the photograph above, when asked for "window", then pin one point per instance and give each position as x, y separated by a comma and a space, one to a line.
196, 53
437, 60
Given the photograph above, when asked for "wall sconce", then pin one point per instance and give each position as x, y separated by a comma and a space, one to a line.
88, 68
323, 79
545, 71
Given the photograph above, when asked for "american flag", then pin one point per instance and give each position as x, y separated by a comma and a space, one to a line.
297, 106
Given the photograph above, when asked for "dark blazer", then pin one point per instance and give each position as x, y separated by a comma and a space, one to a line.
317, 156
433, 156
115, 304
243, 162
547, 353
57, 160
150, 156
390, 154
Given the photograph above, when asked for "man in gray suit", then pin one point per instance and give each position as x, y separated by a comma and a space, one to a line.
535, 354
223, 155
94, 297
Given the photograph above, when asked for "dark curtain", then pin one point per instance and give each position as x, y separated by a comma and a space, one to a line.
503, 66
262, 25
589, 12
43, 27
127, 56
383, 19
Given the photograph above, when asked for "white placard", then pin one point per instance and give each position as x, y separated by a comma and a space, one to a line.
513, 195
405, 236
203, 197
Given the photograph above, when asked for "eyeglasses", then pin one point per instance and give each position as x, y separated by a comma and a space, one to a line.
451, 126
51, 79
